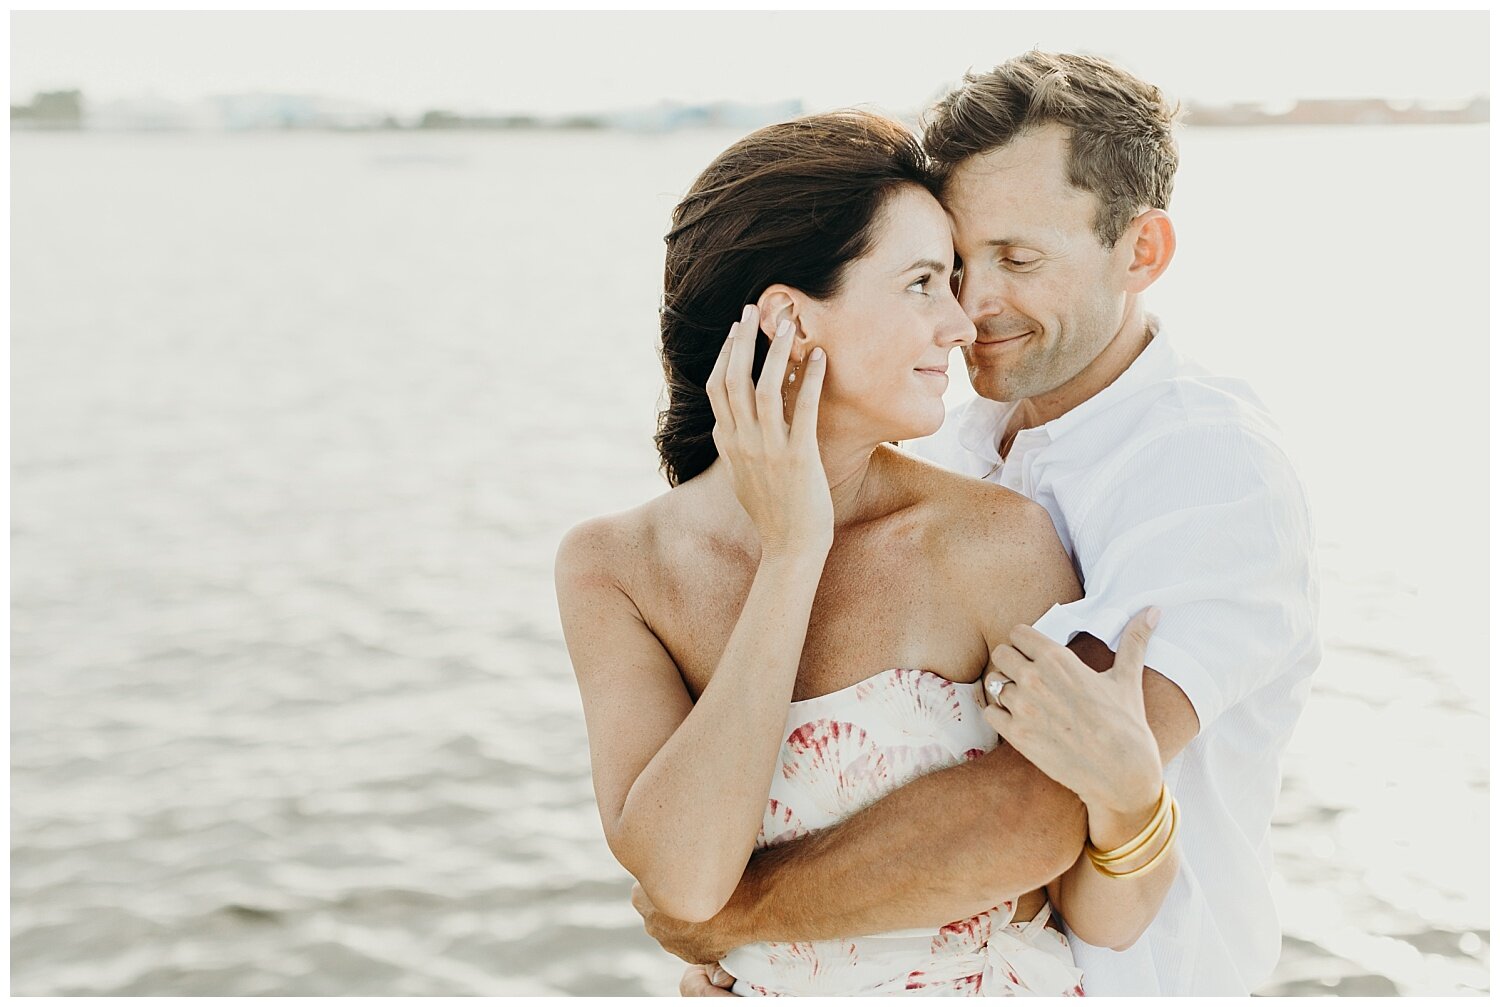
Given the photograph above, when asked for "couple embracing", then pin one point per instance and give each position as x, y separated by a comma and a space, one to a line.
999, 713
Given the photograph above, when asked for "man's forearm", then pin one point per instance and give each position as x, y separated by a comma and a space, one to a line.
942, 848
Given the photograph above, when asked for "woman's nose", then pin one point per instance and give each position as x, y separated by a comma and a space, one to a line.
957, 328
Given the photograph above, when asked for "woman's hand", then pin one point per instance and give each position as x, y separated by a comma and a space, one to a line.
1085, 729
776, 467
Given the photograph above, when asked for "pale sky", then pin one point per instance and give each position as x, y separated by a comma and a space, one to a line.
468, 61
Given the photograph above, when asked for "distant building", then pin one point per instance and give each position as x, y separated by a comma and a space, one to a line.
266, 111
50, 110
1340, 111
662, 117
667, 116
262, 110
153, 114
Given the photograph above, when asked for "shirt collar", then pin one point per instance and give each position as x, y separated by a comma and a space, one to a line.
984, 422
1156, 361
981, 427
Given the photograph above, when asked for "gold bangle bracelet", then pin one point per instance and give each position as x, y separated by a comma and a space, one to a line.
1148, 865
1140, 840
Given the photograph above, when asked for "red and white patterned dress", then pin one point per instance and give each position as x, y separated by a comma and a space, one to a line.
843, 751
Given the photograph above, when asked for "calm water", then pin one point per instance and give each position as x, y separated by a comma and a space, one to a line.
298, 422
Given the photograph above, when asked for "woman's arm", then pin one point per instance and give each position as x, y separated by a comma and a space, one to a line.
682, 786
1085, 729
1088, 731
1004, 828
1113, 912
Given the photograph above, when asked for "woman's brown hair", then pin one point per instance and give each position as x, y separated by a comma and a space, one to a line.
793, 203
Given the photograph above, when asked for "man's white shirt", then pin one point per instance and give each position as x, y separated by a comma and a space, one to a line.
1169, 488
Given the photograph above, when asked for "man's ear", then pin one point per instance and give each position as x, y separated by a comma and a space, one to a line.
1151, 242
779, 302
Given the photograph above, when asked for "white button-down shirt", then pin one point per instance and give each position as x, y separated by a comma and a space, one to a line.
1169, 488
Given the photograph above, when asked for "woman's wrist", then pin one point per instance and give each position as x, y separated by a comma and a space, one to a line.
1115, 820
1145, 851
800, 560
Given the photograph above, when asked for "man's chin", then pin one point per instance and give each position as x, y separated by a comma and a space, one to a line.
991, 384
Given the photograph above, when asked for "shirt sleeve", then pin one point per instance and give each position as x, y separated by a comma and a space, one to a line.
1210, 523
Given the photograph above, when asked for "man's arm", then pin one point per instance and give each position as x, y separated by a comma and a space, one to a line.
942, 848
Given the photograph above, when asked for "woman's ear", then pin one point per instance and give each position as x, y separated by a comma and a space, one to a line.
777, 304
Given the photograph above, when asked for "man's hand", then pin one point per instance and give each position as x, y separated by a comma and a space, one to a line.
694, 943
705, 981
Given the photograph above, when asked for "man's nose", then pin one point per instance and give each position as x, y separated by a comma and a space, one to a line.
980, 296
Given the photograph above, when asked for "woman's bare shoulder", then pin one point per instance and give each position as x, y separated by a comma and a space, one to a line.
977, 514
605, 546
995, 544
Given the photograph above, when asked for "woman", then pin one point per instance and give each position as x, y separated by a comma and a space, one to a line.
729, 636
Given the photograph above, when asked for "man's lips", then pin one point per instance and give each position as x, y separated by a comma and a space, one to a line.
985, 347
1002, 340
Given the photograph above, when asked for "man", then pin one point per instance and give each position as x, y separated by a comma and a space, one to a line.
1168, 488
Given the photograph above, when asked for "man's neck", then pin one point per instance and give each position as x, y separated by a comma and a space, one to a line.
1114, 360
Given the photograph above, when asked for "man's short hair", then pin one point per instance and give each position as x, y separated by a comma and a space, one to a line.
1120, 147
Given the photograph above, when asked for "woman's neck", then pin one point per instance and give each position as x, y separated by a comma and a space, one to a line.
853, 475
853, 479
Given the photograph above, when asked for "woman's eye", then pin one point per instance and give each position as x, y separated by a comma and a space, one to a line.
921, 285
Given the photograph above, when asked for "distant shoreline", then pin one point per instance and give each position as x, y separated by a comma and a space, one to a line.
1352, 112
67, 111
1193, 125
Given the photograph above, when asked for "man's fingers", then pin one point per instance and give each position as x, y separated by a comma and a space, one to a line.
1130, 658
739, 388
805, 421
698, 981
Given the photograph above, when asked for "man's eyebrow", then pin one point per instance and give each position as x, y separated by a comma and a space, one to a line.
932, 264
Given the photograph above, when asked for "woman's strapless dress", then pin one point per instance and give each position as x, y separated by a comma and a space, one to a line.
843, 751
